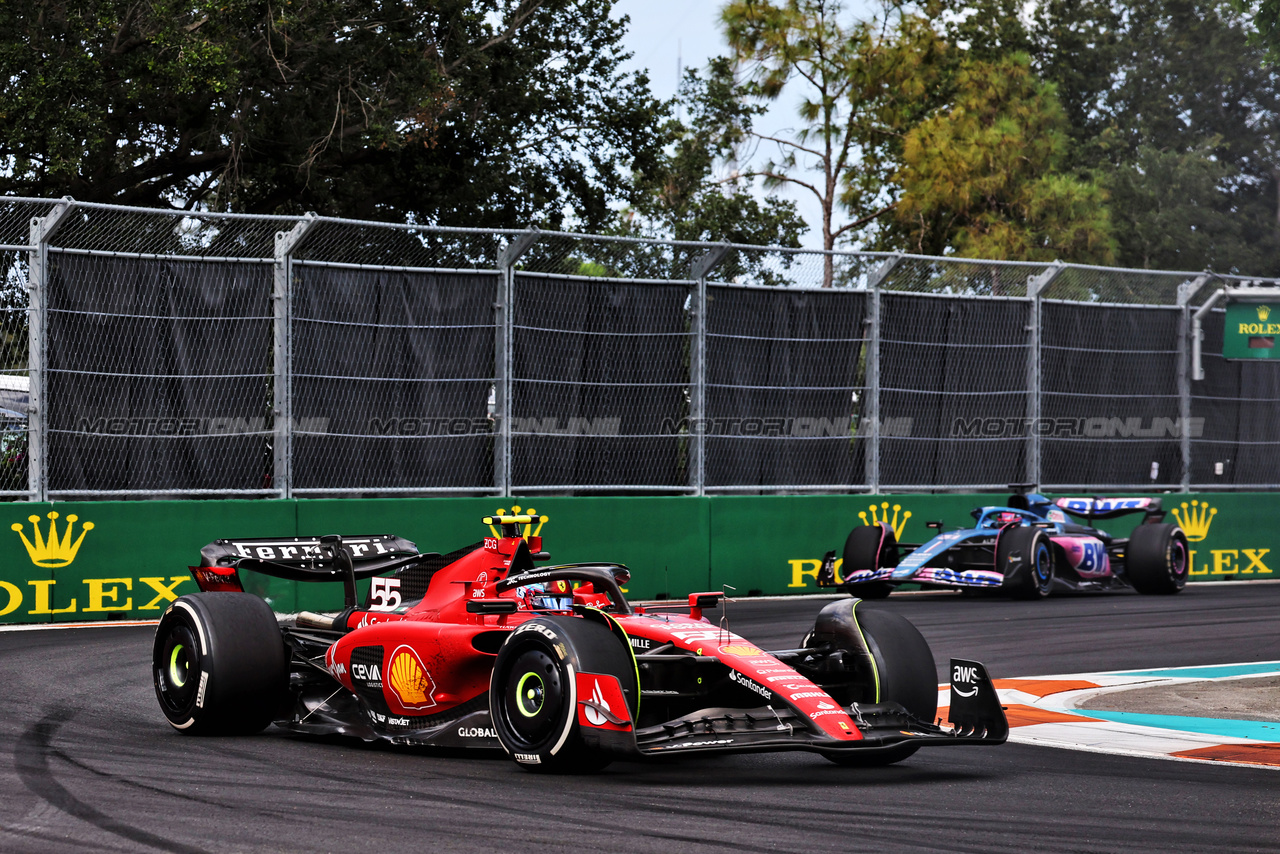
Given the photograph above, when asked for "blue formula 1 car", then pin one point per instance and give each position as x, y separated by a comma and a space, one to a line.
1025, 548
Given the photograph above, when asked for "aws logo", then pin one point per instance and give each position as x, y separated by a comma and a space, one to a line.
48, 550
882, 515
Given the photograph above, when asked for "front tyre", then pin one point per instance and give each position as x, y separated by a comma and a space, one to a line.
903, 669
1156, 561
1024, 557
219, 664
870, 547
535, 696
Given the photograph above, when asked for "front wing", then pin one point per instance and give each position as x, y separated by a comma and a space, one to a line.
975, 716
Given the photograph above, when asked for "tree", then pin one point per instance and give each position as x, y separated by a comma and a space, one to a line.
983, 177
1165, 205
433, 110
1071, 43
1190, 87
685, 196
1159, 94
1266, 19
861, 82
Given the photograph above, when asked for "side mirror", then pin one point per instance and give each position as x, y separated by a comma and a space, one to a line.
492, 606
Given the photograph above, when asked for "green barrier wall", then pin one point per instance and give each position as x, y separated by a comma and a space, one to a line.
115, 560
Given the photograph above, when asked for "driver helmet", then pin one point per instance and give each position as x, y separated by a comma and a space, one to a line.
547, 596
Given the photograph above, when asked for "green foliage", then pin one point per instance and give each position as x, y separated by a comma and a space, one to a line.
1266, 20
860, 83
689, 199
1195, 104
1072, 43
1165, 206
680, 196
1172, 109
453, 111
982, 177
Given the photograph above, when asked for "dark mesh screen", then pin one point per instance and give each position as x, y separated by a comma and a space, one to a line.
159, 374
1110, 394
785, 382
953, 380
391, 379
600, 382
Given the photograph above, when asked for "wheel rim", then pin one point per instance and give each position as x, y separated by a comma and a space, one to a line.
530, 693
179, 666
176, 668
1177, 560
1043, 567
533, 699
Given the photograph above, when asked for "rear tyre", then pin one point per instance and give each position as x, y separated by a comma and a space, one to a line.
219, 664
1156, 561
534, 699
864, 550
904, 670
1025, 558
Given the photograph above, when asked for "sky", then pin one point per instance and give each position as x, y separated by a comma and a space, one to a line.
666, 35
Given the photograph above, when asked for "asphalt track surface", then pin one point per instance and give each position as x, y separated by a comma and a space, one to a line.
89, 763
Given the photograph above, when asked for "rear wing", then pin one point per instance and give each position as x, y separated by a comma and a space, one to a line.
1109, 508
328, 558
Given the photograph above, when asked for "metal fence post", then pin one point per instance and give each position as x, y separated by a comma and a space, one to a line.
698, 271
872, 371
287, 242
1186, 292
503, 363
42, 229
1036, 285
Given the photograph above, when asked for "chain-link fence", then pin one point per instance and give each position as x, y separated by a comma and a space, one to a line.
160, 353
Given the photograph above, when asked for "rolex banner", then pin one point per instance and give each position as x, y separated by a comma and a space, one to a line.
105, 560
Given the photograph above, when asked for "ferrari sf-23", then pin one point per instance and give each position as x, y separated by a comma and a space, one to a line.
1025, 548
480, 648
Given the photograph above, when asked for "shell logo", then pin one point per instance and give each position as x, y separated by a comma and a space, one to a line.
740, 650
410, 680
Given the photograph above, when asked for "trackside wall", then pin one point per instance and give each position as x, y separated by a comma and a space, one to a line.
108, 560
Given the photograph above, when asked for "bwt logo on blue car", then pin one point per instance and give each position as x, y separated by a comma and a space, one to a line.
1103, 505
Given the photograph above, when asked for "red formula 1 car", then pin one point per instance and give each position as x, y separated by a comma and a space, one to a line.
480, 648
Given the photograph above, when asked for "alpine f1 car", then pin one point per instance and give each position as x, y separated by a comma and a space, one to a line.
1026, 548
480, 648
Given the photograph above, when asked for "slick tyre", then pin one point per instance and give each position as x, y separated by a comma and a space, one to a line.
863, 549
538, 699
1024, 557
904, 670
219, 664
1156, 561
